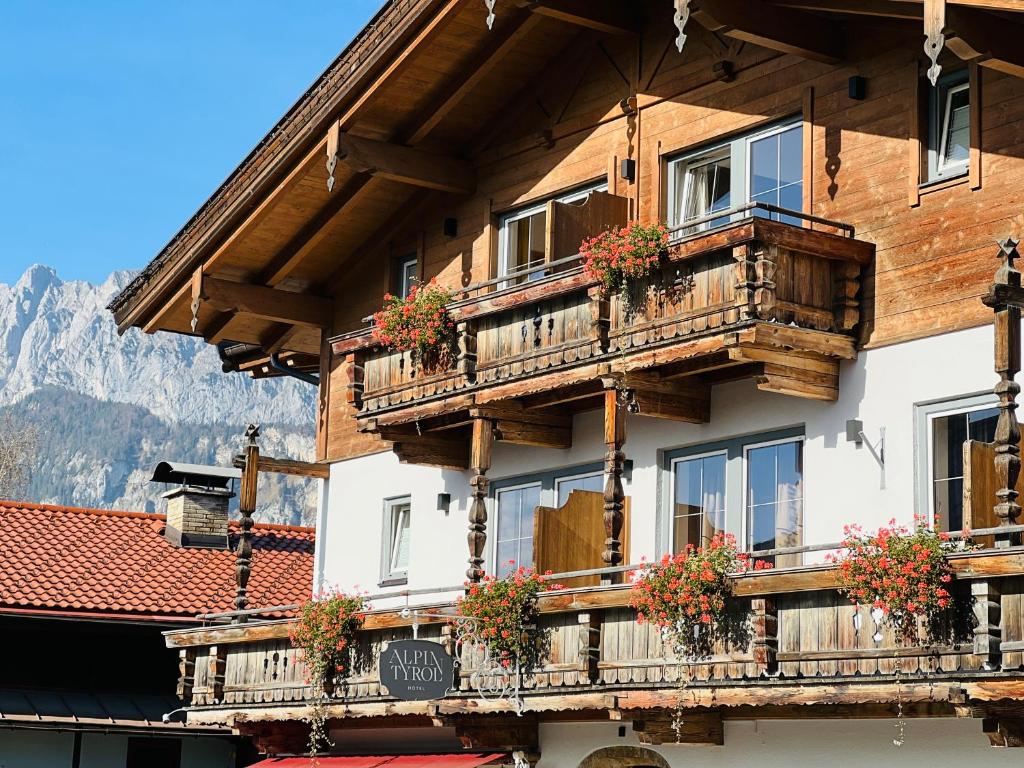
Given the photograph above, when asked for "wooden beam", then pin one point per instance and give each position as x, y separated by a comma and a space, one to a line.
777, 29
293, 467
611, 17
660, 727
407, 165
269, 303
992, 41
432, 450
495, 50
880, 8
537, 435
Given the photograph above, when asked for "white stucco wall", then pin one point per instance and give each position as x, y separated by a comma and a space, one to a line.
841, 481
934, 743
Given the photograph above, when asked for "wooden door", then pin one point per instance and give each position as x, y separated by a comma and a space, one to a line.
571, 537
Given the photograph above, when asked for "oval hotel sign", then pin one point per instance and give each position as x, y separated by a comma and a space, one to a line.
416, 670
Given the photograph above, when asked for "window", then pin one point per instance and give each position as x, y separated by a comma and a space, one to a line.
766, 166
949, 127
515, 500
406, 273
397, 531
751, 487
774, 495
698, 505
949, 432
522, 236
514, 545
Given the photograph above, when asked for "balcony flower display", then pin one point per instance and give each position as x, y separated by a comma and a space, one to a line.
901, 572
420, 323
500, 614
623, 254
685, 595
325, 633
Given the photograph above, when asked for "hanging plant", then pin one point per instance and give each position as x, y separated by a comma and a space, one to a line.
325, 632
622, 255
685, 595
901, 572
500, 614
419, 323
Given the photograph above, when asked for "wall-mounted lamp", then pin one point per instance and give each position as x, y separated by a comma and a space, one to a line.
450, 226
627, 470
628, 170
444, 503
858, 87
855, 434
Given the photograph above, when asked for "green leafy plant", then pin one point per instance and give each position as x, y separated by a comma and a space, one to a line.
685, 595
625, 253
420, 323
502, 612
325, 632
902, 572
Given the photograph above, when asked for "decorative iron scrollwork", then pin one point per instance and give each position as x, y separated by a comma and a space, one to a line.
490, 679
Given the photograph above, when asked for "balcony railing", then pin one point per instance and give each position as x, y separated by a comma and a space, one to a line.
759, 278
799, 644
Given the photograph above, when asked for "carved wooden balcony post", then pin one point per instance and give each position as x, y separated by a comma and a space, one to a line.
355, 371
479, 463
1006, 298
614, 462
764, 281
186, 674
745, 282
846, 285
600, 319
466, 361
246, 508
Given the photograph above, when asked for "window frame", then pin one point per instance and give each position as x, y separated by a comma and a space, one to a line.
738, 148
939, 115
745, 542
676, 460
573, 195
401, 263
924, 442
548, 482
389, 576
735, 479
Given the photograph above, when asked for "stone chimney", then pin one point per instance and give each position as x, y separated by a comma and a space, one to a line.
197, 510
197, 517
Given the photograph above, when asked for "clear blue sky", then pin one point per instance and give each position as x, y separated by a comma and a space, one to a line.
119, 118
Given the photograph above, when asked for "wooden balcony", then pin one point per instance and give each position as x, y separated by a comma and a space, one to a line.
797, 651
756, 298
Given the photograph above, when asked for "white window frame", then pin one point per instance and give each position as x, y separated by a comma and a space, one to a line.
746, 532
389, 574
942, 167
956, 408
518, 487
726, 496
569, 478
505, 232
738, 149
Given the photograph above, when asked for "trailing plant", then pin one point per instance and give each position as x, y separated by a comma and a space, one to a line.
325, 632
623, 254
420, 323
685, 595
503, 615
902, 572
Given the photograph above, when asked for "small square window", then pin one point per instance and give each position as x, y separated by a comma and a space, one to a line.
397, 540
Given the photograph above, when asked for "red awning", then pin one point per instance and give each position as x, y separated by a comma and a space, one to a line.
384, 761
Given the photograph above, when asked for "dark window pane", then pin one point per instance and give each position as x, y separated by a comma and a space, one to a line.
764, 165
761, 477
949, 504
950, 432
981, 425
762, 527
791, 161
791, 197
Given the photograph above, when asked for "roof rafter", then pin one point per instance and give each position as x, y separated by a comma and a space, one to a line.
778, 29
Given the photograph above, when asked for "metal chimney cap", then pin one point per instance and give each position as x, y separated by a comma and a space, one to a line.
194, 474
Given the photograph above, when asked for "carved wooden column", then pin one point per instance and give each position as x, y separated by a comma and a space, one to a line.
466, 361
354, 372
745, 282
600, 319
614, 461
1006, 298
479, 463
764, 281
246, 508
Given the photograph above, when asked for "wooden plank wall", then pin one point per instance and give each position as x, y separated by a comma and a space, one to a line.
934, 249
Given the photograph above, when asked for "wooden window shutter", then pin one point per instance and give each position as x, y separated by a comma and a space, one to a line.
980, 486
571, 537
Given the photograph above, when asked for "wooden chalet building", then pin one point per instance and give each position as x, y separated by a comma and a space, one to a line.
840, 179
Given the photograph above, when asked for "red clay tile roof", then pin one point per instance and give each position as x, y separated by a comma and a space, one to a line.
95, 562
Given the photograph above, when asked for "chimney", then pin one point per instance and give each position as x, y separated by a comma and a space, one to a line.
197, 510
